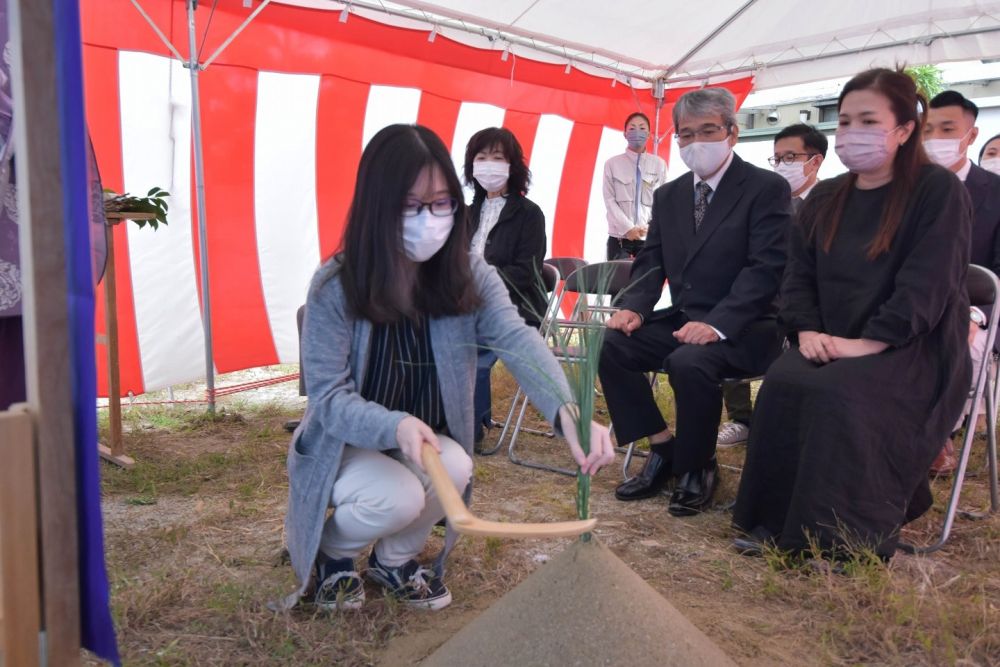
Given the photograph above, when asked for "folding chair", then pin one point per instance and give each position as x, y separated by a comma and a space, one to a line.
984, 290
550, 279
584, 282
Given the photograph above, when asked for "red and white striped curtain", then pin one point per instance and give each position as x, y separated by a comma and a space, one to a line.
286, 112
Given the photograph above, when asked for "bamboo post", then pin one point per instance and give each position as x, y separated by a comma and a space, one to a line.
114, 451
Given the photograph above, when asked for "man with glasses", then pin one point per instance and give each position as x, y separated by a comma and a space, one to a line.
949, 132
717, 236
799, 151
629, 182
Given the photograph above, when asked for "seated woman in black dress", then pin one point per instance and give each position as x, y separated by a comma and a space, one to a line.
875, 305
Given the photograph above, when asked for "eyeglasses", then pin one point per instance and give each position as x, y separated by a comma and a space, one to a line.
438, 207
703, 133
788, 158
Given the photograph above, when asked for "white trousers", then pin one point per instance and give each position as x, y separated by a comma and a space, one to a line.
383, 497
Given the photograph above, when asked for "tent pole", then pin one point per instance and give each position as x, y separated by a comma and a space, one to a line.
658, 87
708, 38
199, 180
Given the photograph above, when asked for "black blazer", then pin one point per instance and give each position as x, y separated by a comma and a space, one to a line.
727, 275
516, 247
984, 189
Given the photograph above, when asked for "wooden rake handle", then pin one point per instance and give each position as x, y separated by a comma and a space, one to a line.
467, 523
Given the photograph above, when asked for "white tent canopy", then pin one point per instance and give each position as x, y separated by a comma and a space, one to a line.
781, 42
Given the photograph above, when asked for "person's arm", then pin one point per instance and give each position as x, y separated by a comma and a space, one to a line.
756, 285
524, 271
935, 266
799, 308
327, 334
647, 276
619, 223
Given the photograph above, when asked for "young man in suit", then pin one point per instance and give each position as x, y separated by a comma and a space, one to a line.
949, 132
799, 151
717, 236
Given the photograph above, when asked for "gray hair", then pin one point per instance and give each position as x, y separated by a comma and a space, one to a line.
705, 102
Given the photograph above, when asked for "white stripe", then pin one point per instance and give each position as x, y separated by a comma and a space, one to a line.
595, 240
285, 214
388, 105
156, 150
548, 155
472, 117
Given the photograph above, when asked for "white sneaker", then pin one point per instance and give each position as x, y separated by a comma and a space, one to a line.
732, 434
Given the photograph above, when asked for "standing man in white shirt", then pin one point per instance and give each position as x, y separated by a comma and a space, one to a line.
629, 182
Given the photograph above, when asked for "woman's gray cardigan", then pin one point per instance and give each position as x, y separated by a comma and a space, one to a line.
335, 348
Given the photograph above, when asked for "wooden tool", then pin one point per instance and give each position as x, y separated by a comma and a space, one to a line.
467, 523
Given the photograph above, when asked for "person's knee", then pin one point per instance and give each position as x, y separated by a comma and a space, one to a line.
457, 462
692, 363
613, 349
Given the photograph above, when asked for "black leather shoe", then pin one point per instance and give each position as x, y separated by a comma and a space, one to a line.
694, 490
651, 479
755, 542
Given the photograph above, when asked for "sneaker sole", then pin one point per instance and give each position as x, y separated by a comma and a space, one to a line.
727, 445
429, 604
349, 604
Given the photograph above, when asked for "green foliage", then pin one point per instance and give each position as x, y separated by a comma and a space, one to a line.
155, 202
928, 79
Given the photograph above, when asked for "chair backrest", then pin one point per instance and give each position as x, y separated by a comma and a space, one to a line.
601, 279
550, 277
566, 265
981, 284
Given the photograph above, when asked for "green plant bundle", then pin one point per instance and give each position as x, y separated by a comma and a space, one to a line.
155, 202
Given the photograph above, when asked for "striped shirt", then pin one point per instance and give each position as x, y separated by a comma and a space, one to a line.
401, 374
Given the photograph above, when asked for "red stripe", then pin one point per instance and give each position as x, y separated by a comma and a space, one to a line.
241, 331
524, 126
574, 190
439, 114
340, 120
104, 123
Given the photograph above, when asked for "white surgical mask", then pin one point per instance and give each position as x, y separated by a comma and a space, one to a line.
425, 233
991, 164
491, 174
945, 152
705, 157
794, 173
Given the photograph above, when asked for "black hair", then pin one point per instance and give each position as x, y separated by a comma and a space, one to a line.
375, 266
635, 114
953, 98
811, 137
982, 151
520, 176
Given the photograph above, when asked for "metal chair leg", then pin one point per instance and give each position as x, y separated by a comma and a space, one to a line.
530, 464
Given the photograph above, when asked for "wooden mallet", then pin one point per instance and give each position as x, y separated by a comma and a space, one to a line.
467, 523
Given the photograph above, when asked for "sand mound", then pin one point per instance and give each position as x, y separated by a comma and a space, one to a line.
585, 607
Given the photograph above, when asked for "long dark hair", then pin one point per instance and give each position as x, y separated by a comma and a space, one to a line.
901, 91
376, 271
520, 175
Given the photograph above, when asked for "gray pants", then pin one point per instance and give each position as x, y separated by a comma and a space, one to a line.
383, 497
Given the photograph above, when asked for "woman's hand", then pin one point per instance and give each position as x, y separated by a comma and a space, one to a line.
823, 348
602, 452
411, 434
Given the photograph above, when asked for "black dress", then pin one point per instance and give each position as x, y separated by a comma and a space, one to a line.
840, 452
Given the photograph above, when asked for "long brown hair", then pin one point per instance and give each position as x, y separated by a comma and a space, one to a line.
380, 283
901, 91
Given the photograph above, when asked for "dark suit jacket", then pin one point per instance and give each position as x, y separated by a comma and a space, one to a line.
726, 275
516, 247
984, 189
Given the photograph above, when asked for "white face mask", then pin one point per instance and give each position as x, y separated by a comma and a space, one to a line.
794, 173
424, 234
991, 164
490, 174
705, 157
945, 152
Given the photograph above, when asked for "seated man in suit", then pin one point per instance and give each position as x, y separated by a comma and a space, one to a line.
949, 132
717, 235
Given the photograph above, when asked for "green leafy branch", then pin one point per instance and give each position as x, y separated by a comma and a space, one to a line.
154, 203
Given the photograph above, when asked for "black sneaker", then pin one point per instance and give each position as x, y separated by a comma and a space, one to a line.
413, 584
340, 585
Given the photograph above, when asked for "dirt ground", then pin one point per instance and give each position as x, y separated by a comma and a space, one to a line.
194, 553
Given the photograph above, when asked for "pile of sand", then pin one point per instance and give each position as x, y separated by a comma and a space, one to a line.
585, 607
